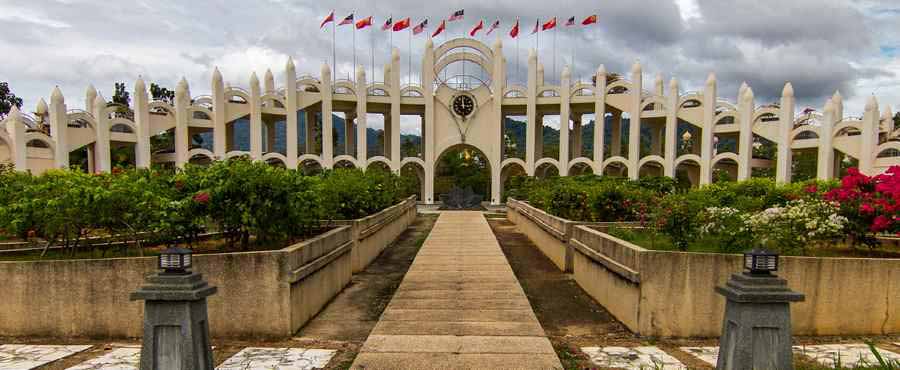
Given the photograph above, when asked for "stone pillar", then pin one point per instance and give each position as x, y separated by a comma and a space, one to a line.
256, 123
393, 151
142, 123
616, 145
577, 137
90, 95
327, 124
388, 133
349, 132
825, 170
656, 139
269, 82
756, 330
362, 95
599, 118
634, 126
59, 124
18, 147
868, 138
531, 146
428, 124
101, 145
745, 137
707, 134
310, 128
290, 109
498, 80
785, 129
219, 114
182, 105
671, 149
539, 137
176, 323
564, 110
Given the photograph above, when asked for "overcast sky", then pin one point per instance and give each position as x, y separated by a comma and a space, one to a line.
818, 45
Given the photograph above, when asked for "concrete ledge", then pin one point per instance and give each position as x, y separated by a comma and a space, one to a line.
266, 294
374, 233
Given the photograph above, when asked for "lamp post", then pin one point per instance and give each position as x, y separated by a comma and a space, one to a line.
756, 329
176, 324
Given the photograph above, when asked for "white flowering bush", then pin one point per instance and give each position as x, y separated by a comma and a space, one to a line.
798, 224
729, 226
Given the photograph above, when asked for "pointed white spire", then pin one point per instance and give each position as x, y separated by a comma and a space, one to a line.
636, 67
601, 70
99, 104
139, 85
56, 97
216, 76
270, 81
566, 73
14, 113
748, 95
711, 79
829, 106
254, 80
89, 95
742, 89
837, 96
886, 114
290, 64
788, 91
181, 90
41, 108
871, 103
429, 43
673, 84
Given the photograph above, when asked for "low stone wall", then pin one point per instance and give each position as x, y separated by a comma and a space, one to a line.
550, 233
374, 233
671, 294
267, 294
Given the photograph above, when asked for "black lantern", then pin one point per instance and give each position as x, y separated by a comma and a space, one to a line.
175, 260
760, 262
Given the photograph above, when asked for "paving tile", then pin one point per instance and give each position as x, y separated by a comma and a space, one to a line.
710, 355
118, 359
637, 358
845, 354
258, 358
30, 356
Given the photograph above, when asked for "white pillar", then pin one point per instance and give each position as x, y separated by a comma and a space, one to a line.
220, 112
616, 145
428, 139
869, 141
671, 129
394, 122
361, 123
532, 123
90, 95
785, 128
838, 101
182, 139
18, 147
634, 127
269, 82
327, 125
255, 119
59, 124
708, 133
498, 79
825, 169
142, 123
101, 146
887, 119
746, 107
290, 109
564, 109
658, 88
599, 117
577, 137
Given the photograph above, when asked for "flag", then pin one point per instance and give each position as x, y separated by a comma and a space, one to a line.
363, 23
421, 27
477, 28
387, 24
457, 15
571, 21
514, 32
591, 19
440, 28
401, 25
493, 27
328, 19
347, 20
551, 24
537, 25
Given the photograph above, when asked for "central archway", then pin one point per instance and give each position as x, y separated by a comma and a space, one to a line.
464, 166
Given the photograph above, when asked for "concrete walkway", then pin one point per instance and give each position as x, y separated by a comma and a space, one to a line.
459, 306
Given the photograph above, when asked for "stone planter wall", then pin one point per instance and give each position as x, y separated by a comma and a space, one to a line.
671, 294
268, 294
374, 233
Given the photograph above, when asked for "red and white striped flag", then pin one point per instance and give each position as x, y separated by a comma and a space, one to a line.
328, 19
420, 27
493, 27
537, 26
457, 15
347, 20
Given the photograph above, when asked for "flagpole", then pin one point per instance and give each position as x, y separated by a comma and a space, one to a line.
354, 47
333, 52
409, 60
555, 31
574, 71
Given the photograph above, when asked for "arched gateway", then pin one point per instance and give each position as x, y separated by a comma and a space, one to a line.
684, 131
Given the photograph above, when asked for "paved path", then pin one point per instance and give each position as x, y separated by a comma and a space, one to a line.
459, 306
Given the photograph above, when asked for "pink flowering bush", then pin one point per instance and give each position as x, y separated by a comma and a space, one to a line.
870, 203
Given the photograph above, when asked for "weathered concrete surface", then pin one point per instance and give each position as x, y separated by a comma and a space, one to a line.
459, 306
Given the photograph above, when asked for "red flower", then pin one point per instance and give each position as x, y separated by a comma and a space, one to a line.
880, 224
202, 197
866, 208
812, 188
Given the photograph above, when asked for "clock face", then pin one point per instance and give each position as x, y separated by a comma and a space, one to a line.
463, 105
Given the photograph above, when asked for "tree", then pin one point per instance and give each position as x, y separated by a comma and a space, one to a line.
121, 96
8, 100
162, 93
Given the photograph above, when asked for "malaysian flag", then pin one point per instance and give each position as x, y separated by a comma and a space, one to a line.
457, 15
571, 21
493, 27
421, 27
347, 20
387, 24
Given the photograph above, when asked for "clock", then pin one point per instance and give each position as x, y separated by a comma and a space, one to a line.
463, 105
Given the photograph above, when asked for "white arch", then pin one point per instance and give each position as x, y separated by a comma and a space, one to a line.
687, 158
846, 124
546, 160
658, 100
651, 158
694, 95
123, 121
805, 128
611, 160
619, 83
238, 93
345, 84
758, 115
274, 155
518, 89
159, 104
80, 115
887, 146
271, 96
415, 160
725, 114
723, 156
582, 86
459, 43
200, 151
39, 136
310, 157
512, 161
380, 159
236, 153
348, 158
405, 91
554, 90
583, 160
